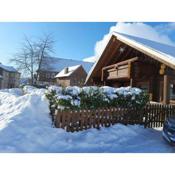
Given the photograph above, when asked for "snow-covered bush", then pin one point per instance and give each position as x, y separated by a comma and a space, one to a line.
94, 97
57, 89
74, 91
63, 101
129, 97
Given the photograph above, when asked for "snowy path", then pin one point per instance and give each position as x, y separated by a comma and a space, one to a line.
25, 126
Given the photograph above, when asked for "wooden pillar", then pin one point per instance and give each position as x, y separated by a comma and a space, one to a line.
155, 87
150, 89
131, 82
166, 89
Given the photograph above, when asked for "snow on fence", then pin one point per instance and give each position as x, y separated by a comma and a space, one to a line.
152, 115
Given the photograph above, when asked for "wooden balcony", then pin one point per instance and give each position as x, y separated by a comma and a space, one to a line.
121, 70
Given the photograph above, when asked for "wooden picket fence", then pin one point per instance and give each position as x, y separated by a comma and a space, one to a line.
151, 116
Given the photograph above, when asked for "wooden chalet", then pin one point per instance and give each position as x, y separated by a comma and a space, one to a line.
132, 61
51, 66
71, 76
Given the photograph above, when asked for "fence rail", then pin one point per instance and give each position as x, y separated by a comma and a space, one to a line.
152, 115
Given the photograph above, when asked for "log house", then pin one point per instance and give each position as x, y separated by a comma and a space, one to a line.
132, 61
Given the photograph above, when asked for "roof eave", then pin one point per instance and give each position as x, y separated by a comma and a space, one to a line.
146, 50
98, 58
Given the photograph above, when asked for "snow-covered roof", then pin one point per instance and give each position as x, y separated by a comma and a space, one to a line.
58, 64
8, 68
159, 51
71, 69
166, 53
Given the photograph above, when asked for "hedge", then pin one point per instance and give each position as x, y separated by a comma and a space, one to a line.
94, 97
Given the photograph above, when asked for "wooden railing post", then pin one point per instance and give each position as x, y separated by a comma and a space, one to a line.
166, 89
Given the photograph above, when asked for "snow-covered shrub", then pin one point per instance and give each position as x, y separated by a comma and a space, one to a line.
126, 91
128, 97
130, 100
63, 101
63, 98
94, 97
108, 90
57, 89
75, 102
89, 89
74, 91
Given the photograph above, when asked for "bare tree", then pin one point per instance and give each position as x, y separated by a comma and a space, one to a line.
33, 54
44, 50
25, 58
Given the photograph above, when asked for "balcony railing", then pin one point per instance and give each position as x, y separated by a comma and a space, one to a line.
121, 70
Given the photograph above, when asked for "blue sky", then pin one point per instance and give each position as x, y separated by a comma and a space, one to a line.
73, 40
76, 40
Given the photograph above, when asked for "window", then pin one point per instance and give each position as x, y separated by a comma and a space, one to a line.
1, 71
172, 91
173, 88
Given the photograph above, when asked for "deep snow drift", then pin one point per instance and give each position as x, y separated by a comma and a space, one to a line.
25, 126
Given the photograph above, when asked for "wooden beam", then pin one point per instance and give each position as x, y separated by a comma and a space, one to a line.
129, 70
166, 89
113, 52
120, 63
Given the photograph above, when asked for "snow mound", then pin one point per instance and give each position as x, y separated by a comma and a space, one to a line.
14, 91
23, 120
6, 98
33, 90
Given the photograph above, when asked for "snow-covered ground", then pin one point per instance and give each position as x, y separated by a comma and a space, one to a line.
25, 126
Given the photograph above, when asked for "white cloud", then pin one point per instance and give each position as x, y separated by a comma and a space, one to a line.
142, 30
90, 59
166, 28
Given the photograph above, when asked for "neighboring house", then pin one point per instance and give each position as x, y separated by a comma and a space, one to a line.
71, 76
132, 61
47, 72
9, 77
